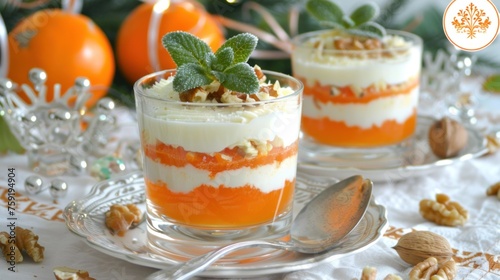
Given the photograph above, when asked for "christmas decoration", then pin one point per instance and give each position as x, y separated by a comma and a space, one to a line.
425, 21
57, 189
138, 45
66, 45
53, 132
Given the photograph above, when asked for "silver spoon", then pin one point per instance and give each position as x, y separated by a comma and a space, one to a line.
318, 227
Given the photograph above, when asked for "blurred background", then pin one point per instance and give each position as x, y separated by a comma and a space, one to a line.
420, 17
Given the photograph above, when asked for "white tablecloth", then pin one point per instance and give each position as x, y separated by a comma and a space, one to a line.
476, 244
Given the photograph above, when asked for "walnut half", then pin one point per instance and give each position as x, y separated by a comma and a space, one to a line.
444, 212
67, 273
120, 218
26, 241
430, 270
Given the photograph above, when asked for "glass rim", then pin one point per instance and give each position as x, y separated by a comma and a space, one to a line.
138, 90
416, 41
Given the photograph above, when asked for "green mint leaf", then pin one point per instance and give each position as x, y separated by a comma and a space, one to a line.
369, 29
189, 76
492, 83
198, 66
347, 22
186, 48
221, 77
334, 25
210, 60
241, 78
325, 10
364, 13
224, 58
242, 44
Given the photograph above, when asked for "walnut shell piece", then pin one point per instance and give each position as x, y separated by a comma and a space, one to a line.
67, 273
442, 211
120, 218
447, 137
415, 247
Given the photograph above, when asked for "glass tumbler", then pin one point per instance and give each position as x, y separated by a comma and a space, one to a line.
217, 173
358, 92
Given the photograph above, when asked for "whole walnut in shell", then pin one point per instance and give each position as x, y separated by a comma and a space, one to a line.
447, 137
416, 246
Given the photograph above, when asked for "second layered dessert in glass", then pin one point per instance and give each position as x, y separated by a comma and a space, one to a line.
359, 91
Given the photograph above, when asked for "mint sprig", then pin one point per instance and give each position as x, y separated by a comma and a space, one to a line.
198, 66
359, 22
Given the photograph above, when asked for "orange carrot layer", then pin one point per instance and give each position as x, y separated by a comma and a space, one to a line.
345, 94
227, 159
336, 133
220, 207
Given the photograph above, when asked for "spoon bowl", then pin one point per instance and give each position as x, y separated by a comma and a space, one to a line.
319, 226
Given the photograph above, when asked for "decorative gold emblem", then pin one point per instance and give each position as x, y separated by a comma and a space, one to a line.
472, 21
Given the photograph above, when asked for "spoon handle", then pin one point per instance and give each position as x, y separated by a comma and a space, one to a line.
198, 264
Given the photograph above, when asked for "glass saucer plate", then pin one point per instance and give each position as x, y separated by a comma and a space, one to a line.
85, 217
411, 158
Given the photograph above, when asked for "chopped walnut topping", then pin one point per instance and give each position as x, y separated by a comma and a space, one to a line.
334, 91
253, 148
387, 47
260, 75
358, 91
215, 92
194, 95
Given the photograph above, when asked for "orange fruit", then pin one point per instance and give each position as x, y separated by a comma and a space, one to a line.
66, 46
132, 38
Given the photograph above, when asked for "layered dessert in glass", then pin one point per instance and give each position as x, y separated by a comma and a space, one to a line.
358, 91
218, 164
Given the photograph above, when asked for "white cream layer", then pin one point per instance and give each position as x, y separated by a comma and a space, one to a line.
266, 178
365, 115
345, 71
209, 131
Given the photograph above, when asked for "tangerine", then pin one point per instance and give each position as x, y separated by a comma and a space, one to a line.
132, 38
66, 46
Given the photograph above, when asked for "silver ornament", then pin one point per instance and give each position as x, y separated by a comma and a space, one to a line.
29, 119
105, 105
51, 132
57, 114
6, 85
82, 84
37, 76
78, 164
33, 184
58, 188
